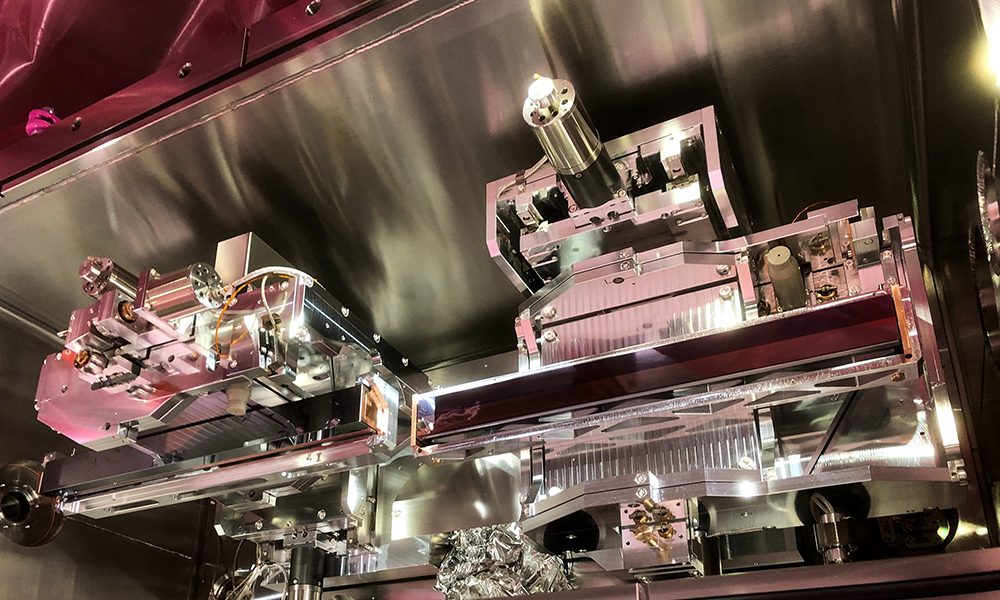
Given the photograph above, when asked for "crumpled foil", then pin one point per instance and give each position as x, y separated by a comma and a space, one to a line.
488, 562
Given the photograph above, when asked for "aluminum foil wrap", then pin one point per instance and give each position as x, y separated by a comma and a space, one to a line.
497, 561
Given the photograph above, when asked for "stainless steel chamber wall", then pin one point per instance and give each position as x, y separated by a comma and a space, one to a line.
747, 337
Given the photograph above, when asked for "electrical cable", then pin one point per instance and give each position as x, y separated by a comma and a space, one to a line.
241, 285
527, 174
263, 299
819, 204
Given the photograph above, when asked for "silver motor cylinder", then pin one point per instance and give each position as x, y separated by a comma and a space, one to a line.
570, 142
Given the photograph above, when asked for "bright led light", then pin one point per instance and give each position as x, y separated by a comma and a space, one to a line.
747, 489
541, 88
946, 424
990, 10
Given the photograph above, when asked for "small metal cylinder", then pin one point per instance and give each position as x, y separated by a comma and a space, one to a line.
570, 141
101, 274
786, 278
185, 292
304, 592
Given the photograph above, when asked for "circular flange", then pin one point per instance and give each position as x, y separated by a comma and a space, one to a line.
206, 284
984, 252
27, 518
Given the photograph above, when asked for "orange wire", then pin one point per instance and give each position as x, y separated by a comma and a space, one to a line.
810, 207
225, 307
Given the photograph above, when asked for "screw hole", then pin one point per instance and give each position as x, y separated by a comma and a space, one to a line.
184, 71
77, 122
313, 7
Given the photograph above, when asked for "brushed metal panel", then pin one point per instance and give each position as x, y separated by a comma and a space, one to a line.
367, 166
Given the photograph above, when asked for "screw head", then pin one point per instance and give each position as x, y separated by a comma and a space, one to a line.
898, 376
345, 311
726, 292
722, 269
258, 525
550, 335
321, 514
548, 312
626, 265
746, 462
640, 478
641, 493
377, 338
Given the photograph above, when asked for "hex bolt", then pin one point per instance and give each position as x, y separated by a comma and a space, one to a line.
641, 493
725, 292
624, 253
377, 338
625, 266
321, 514
345, 311
746, 462
640, 478
550, 336
549, 312
258, 525
722, 269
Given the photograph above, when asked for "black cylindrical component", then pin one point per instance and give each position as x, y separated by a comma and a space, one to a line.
308, 566
596, 184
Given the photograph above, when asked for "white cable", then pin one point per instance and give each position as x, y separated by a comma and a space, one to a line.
263, 299
305, 277
529, 173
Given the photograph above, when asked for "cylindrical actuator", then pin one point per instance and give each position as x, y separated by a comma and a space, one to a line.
786, 278
101, 274
185, 292
570, 141
305, 573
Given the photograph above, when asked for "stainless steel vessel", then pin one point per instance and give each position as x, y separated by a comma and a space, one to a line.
697, 345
